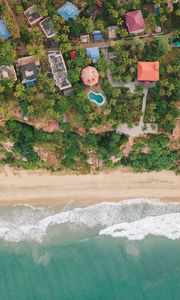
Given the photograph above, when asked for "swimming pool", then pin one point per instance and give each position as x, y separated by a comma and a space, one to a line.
97, 98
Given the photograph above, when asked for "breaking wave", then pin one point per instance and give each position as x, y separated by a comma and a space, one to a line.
165, 225
133, 219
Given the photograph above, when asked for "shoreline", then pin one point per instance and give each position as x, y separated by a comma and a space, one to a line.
43, 188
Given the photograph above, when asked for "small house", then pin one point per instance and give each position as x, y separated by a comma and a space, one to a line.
112, 54
73, 54
112, 32
4, 32
68, 92
85, 38
32, 15
28, 67
148, 71
93, 53
98, 36
68, 11
135, 22
7, 73
47, 27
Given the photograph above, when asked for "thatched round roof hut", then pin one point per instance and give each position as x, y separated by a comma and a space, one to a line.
89, 76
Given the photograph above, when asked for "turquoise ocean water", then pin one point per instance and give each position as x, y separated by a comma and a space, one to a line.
126, 250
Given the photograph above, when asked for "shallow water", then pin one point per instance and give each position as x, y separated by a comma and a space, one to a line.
94, 268
58, 252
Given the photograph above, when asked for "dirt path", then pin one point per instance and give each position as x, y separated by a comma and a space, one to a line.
16, 25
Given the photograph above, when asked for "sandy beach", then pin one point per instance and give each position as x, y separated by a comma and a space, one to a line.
40, 188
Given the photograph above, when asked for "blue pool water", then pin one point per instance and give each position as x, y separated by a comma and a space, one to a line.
96, 98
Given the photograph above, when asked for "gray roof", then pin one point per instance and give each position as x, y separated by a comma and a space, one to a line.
28, 68
32, 15
47, 27
29, 72
68, 92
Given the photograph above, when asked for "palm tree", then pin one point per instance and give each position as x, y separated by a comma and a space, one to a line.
163, 19
20, 91
100, 25
158, 3
37, 50
81, 3
89, 25
113, 12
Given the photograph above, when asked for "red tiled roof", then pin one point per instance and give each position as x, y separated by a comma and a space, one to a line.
135, 21
148, 71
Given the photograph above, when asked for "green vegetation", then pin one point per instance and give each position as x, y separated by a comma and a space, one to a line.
152, 154
7, 53
164, 95
87, 138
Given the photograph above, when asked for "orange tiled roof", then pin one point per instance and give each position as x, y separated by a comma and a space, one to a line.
148, 71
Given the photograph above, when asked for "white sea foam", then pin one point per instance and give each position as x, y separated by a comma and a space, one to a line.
133, 219
165, 225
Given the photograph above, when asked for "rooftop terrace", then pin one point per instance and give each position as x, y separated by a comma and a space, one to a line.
32, 15
47, 27
59, 70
